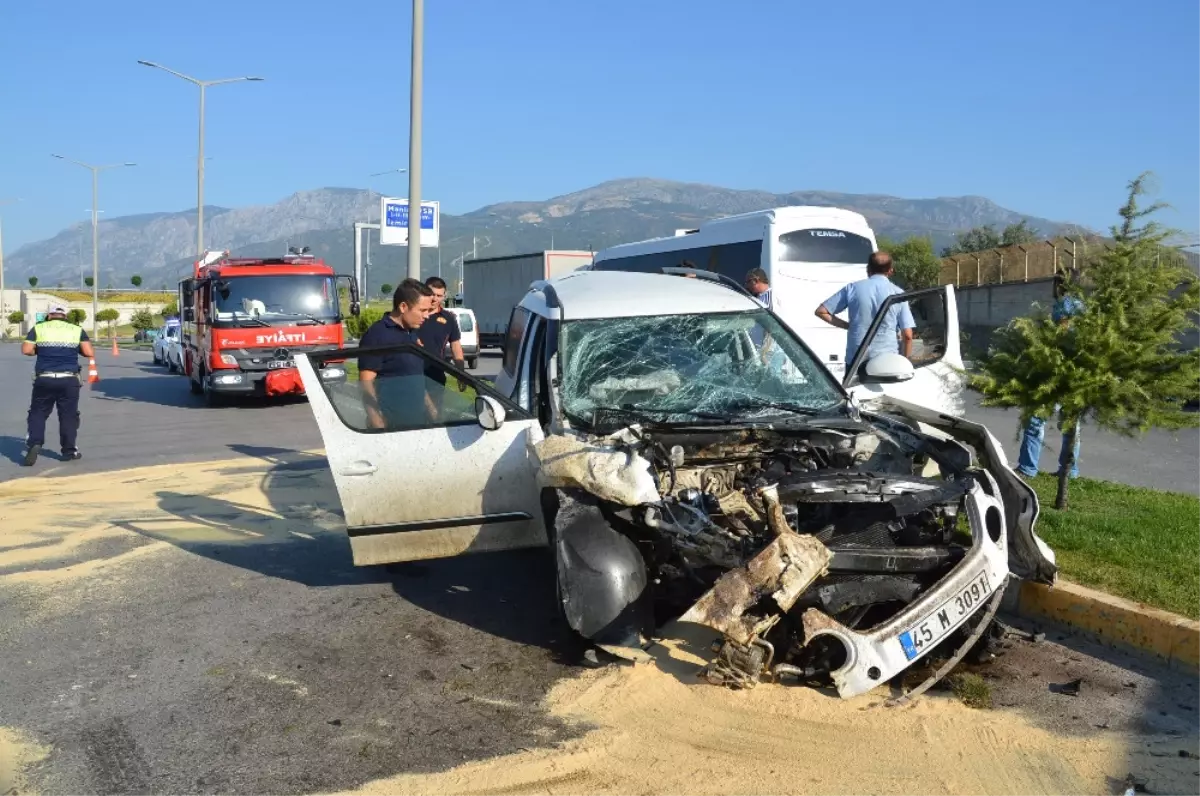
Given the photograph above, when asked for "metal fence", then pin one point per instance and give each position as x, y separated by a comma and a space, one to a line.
1030, 261
1021, 263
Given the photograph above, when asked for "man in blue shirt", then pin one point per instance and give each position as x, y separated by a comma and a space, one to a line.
394, 384
861, 301
1065, 307
56, 344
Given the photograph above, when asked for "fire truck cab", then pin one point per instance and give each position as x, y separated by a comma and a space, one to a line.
244, 319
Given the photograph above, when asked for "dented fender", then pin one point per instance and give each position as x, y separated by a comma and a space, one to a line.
600, 575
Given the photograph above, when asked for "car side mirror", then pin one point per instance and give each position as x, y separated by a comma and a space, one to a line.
489, 413
887, 368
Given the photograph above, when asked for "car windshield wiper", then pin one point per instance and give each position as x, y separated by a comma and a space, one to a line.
645, 413
249, 319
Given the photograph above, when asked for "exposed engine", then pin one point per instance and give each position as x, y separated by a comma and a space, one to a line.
754, 527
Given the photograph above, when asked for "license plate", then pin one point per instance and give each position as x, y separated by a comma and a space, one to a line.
281, 363
948, 616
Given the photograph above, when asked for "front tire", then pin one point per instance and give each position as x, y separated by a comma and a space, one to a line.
472, 363
212, 399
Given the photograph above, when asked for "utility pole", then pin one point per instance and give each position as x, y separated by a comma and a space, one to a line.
414, 142
203, 84
370, 214
3, 313
95, 230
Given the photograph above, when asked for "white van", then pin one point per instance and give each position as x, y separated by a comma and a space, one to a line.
470, 335
808, 254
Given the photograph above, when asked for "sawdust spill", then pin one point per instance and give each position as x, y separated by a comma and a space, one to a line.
657, 730
58, 529
17, 754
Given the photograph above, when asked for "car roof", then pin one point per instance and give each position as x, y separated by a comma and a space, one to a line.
581, 295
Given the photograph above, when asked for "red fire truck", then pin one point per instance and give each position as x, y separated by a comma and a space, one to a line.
244, 319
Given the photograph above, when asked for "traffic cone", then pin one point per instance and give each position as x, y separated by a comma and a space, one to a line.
93, 374
116, 353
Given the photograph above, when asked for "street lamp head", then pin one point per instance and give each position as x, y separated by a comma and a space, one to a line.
256, 79
128, 164
60, 157
149, 63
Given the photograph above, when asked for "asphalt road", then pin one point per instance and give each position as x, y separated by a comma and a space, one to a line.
138, 414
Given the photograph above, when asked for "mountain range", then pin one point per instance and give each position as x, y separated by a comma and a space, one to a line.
160, 246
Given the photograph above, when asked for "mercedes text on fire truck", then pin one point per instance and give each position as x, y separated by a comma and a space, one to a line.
244, 319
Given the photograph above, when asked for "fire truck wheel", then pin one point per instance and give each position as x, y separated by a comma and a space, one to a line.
195, 385
211, 397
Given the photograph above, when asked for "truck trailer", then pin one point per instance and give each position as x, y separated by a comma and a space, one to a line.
492, 286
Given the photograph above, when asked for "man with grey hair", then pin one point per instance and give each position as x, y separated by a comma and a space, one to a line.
56, 344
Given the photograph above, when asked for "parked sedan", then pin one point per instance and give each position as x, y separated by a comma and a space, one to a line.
167, 338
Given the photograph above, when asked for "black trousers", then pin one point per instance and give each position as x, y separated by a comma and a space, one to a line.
48, 394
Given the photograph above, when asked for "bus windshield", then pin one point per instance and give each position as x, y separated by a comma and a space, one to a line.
824, 246
275, 297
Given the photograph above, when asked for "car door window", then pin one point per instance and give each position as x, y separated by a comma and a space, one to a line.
930, 330
513, 338
411, 390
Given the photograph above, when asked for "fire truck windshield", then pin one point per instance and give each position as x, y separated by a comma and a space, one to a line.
309, 298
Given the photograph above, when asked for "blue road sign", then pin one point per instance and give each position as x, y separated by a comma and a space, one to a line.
397, 215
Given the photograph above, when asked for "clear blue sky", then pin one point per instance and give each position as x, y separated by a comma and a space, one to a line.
1045, 107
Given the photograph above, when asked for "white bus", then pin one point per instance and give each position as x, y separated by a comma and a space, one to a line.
808, 253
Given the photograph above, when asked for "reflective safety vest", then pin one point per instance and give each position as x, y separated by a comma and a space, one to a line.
57, 334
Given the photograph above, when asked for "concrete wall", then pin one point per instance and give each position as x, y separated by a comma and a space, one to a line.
32, 302
985, 308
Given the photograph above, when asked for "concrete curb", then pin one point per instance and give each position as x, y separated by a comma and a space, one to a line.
1121, 623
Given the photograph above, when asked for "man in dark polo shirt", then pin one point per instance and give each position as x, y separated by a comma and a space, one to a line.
440, 328
394, 384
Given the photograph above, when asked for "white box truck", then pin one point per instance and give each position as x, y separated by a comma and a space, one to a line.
492, 286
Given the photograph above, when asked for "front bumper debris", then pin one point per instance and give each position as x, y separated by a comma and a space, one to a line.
734, 606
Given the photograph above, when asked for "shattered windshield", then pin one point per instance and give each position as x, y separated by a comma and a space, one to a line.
684, 368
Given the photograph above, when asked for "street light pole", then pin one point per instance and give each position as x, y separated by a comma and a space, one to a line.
95, 229
414, 142
370, 215
3, 314
203, 84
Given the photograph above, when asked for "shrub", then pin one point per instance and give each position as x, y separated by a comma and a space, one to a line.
358, 325
142, 320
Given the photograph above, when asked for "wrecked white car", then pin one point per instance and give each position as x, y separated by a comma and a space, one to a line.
686, 457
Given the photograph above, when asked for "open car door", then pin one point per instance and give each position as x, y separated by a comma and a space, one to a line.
417, 474
933, 377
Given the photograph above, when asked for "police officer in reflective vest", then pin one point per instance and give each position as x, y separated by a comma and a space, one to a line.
57, 345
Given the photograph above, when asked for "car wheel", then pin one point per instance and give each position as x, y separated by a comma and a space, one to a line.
157, 361
472, 363
195, 386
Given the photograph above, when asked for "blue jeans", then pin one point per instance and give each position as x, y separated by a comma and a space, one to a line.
1031, 448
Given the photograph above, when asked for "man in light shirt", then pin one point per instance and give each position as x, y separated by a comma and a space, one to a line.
861, 301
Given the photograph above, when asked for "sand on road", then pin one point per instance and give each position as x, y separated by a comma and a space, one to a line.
652, 728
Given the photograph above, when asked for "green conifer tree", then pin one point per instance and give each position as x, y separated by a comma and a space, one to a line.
1117, 363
